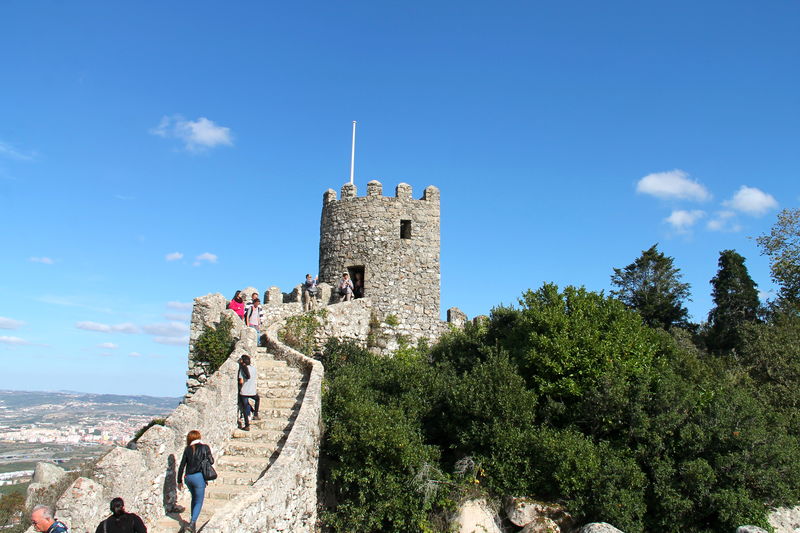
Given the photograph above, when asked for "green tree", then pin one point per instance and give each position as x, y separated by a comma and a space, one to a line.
735, 303
782, 246
652, 286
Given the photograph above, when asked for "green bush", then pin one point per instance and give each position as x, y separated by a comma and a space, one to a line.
214, 345
300, 331
153, 422
372, 412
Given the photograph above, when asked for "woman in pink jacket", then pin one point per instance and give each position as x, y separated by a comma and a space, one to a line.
237, 304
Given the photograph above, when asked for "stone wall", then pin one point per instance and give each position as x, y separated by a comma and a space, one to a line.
145, 476
396, 242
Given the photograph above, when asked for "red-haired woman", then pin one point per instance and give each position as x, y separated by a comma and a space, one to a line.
194, 455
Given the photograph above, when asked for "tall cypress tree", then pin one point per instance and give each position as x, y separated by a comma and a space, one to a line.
652, 286
735, 303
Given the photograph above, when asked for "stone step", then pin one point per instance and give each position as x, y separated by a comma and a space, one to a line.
272, 362
259, 434
255, 448
230, 463
278, 392
275, 424
279, 373
280, 403
294, 381
225, 492
282, 413
227, 477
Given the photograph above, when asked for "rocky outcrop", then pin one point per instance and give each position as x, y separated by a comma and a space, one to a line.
599, 527
44, 476
476, 516
538, 517
785, 519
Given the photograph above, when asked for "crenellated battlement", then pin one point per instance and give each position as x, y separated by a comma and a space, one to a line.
402, 192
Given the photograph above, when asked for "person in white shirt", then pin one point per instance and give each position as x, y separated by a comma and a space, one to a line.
248, 390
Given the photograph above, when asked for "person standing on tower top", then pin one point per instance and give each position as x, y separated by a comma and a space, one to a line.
309, 293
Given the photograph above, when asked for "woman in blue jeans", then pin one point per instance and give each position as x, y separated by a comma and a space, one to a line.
194, 455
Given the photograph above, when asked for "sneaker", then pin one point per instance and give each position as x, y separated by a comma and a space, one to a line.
246, 428
256, 417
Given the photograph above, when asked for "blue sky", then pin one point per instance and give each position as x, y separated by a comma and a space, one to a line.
152, 152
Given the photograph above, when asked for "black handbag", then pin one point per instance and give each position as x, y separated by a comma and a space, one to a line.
209, 474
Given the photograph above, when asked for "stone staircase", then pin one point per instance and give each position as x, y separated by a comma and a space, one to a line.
247, 455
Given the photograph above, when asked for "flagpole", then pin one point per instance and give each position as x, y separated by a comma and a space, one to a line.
353, 154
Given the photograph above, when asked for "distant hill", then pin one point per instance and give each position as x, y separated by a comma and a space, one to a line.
112, 402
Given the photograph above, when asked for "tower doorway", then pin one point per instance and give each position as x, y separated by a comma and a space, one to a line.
357, 275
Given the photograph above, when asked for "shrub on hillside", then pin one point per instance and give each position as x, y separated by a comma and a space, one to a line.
567, 398
214, 345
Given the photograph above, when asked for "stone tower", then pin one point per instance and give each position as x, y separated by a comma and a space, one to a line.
392, 243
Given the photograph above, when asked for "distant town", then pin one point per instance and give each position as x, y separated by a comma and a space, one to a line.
67, 428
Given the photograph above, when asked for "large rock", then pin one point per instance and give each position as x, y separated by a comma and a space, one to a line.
541, 524
785, 519
476, 516
524, 511
47, 473
599, 527
750, 529
78, 506
44, 475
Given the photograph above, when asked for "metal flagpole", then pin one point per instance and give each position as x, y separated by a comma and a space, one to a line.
353, 154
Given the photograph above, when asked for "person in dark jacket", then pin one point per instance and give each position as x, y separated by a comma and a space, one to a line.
121, 521
192, 464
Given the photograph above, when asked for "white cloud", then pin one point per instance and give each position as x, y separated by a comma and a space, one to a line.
207, 257
181, 317
125, 327
724, 221
197, 134
174, 256
167, 329
674, 184
10, 323
108, 345
134, 354
13, 153
17, 341
71, 302
172, 341
45, 260
182, 306
681, 220
752, 201
172, 333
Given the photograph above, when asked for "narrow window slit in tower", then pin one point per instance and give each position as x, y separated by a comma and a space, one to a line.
405, 229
